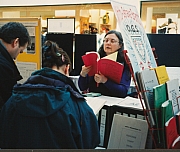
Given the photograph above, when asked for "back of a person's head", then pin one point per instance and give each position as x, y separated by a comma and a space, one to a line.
54, 56
12, 30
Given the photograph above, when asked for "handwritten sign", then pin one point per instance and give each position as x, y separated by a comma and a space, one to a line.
135, 38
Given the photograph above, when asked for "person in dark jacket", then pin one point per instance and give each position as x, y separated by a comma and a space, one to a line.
113, 42
14, 38
47, 111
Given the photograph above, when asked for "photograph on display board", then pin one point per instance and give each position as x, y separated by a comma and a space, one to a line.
166, 26
31, 47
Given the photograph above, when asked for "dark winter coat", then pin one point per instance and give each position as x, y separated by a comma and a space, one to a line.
47, 111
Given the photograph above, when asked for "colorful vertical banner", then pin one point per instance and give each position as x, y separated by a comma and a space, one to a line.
134, 36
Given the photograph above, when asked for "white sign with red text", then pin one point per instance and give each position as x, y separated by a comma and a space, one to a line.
137, 44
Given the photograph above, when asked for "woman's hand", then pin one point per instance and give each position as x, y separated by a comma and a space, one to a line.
85, 70
99, 78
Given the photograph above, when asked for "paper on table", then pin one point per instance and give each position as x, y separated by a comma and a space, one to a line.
110, 101
95, 103
132, 103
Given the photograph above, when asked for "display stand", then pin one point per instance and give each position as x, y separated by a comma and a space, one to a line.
153, 128
146, 111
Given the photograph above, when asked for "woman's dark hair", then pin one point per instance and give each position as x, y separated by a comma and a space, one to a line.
120, 57
54, 56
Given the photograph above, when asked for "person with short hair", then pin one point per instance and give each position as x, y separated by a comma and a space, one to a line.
47, 111
14, 38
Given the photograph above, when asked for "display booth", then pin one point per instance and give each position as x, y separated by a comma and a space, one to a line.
64, 41
167, 48
83, 43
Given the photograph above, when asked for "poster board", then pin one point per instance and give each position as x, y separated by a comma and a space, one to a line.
159, 23
163, 27
134, 36
61, 25
32, 55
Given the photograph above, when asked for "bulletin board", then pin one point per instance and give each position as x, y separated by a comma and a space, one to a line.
61, 25
30, 60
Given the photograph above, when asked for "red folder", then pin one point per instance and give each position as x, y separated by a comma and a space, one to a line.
171, 132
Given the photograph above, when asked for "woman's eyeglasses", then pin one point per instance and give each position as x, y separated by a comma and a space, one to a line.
112, 41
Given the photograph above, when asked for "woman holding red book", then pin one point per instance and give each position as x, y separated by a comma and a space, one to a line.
112, 42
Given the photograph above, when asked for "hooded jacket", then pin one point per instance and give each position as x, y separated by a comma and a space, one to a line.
48, 112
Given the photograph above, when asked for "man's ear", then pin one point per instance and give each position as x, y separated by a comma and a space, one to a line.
15, 42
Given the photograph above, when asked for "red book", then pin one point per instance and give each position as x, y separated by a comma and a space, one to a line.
109, 68
176, 143
90, 59
171, 132
178, 122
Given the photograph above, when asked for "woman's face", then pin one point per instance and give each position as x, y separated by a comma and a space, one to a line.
111, 44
